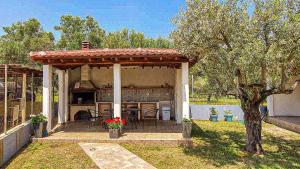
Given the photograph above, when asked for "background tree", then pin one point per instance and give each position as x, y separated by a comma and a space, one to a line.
254, 55
22, 37
75, 30
133, 39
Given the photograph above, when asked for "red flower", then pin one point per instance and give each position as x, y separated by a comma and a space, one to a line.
123, 121
108, 121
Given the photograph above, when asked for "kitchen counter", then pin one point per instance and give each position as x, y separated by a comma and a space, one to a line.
91, 104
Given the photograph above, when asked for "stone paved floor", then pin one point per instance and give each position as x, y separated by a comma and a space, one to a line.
286, 122
113, 156
165, 133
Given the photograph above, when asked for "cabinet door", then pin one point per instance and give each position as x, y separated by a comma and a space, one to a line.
147, 107
103, 107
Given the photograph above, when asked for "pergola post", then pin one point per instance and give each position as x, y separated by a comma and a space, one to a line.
32, 94
5, 99
185, 90
178, 98
117, 90
47, 94
66, 97
61, 96
23, 100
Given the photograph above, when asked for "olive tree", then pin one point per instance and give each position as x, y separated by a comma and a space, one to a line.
252, 48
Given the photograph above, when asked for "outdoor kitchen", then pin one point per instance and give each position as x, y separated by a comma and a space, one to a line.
138, 85
93, 90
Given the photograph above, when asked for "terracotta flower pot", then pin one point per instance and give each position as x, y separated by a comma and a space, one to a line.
187, 129
114, 133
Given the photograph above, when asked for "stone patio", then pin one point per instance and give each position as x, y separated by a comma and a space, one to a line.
165, 133
286, 122
113, 156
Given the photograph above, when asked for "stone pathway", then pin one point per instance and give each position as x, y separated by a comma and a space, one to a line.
113, 156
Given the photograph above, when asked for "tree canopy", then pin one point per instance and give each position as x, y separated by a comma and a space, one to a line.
74, 30
251, 54
22, 37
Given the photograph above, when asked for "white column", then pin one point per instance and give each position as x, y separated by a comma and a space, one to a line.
61, 95
47, 94
66, 97
185, 90
117, 90
178, 98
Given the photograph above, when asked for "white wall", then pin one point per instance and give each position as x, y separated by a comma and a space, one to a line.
13, 141
285, 105
148, 76
202, 112
132, 76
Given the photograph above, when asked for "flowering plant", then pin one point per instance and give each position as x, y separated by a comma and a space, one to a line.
115, 123
36, 119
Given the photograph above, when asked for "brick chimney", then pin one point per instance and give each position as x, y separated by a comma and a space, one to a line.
85, 45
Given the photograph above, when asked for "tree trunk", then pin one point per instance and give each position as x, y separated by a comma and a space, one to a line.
253, 124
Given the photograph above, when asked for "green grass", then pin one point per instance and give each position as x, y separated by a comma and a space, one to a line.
220, 145
216, 145
52, 155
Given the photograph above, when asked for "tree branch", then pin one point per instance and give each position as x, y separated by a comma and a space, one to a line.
226, 41
268, 92
266, 39
263, 74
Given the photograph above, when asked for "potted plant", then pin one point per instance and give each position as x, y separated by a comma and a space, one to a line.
186, 128
39, 123
114, 127
213, 114
228, 115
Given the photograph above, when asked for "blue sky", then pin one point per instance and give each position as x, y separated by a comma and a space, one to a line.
153, 17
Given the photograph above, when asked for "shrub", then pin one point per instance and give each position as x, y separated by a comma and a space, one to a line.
36, 119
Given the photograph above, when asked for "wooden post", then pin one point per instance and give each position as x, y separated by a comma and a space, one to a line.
5, 98
23, 100
32, 94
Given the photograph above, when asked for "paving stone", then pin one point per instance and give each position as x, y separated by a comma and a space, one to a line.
113, 156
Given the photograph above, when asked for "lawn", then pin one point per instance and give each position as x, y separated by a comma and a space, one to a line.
216, 145
220, 145
52, 155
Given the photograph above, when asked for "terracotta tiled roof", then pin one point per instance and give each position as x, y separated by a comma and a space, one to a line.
94, 53
65, 59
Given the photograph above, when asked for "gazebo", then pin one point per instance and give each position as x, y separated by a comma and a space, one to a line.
114, 79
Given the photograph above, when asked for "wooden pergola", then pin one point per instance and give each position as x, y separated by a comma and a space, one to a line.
17, 70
